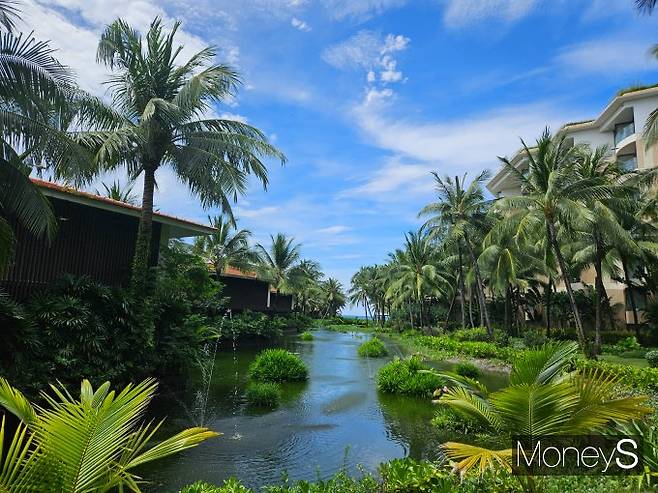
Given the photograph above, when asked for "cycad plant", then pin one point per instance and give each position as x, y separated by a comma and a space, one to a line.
543, 398
90, 444
158, 119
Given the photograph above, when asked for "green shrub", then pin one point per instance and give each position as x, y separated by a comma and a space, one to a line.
652, 358
374, 348
410, 476
306, 336
452, 347
639, 378
263, 394
480, 334
230, 485
534, 338
466, 369
446, 419
278, 365
404, 376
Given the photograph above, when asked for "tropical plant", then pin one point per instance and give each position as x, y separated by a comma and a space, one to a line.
158, 120
373, 348
459, 215
278, 365
263, 394
121, 193
552, 204
646, 6
333, 297
277, 262
93, 443
408, 377
543, 398
227, 246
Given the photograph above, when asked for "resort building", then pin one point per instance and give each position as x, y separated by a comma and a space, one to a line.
247, 292
619, 126
95, 237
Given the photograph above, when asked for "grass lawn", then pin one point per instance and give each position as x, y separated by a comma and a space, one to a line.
621, 360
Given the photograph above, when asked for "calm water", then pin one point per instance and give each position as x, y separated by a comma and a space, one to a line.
335, 420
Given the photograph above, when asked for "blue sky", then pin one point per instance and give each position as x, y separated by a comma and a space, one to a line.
366, 97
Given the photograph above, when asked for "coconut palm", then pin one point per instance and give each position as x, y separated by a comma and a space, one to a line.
158, 120
121, 193
552, 204
542, 399
646, 6
361, 286
278, 261
334, 296
35, 90
93, 443
226, 246
458, 215
415, 277
305, 283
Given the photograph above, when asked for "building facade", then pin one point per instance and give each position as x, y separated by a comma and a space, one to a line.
619, 127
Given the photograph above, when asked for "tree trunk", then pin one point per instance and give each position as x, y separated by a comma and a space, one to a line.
598, 309
141, 260
547, 314
631, 297
462, 289
470, 305
480, 288
452, 304
508, 314
552, 238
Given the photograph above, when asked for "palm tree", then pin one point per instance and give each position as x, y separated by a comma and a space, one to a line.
121, 193
305, 283
361, 288
334, 296
552, 203
277, 262
646, 6
158, 121
542, 399
605, 231
414, 273
226, 246
459, 213
35, 91
93, 443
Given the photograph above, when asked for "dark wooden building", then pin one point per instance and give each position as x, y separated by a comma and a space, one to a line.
247, 292
96, 237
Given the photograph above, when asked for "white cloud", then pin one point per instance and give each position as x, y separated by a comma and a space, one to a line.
607, 56
234, 117
359, 9
300, 24
459, 13
333, 230
369, 51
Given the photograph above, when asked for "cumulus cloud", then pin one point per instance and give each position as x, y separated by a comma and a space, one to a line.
369, 51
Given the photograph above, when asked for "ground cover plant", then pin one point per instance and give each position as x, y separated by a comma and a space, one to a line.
306, 336
278, 365
263, 394
373, 348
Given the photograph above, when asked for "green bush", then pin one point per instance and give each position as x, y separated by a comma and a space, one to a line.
374, 348
466, 369
263, 394
230, 485
480, 334
278, 365
446, 419
639, 378
452, 347
410, 476
306, 336
404, 376
652, 358
534, 338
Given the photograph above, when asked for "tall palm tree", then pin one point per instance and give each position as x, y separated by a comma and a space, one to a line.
305, 283
459, 214
414, 273
552, 203
334, 296
93, 443
646, 6
543, 399
158, 120
277, 261
605, 231
226, 246
361, 288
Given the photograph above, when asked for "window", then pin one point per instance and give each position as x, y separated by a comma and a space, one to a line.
623, 130
627, 162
